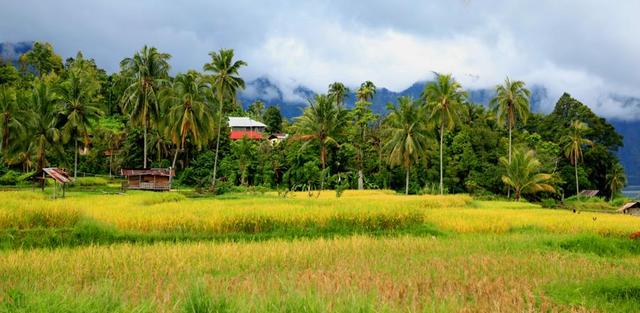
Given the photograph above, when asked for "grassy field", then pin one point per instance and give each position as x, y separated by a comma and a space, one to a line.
371, 251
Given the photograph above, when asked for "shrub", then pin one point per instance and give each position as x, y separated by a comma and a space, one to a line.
9, 179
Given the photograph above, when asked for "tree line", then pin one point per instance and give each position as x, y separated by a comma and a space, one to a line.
74, 114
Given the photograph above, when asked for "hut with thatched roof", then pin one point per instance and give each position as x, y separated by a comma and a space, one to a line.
631, 208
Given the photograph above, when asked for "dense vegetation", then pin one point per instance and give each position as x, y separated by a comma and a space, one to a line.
73, 114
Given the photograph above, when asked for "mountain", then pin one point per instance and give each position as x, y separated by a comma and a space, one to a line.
263, 89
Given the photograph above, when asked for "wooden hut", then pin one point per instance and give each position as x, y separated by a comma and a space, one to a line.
631, 208
148, 179
589, 193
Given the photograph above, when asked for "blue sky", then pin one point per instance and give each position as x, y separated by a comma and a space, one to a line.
587, 48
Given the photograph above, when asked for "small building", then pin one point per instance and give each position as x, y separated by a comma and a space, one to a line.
59, 175
631, 208
148, 179
589, 193
242, 127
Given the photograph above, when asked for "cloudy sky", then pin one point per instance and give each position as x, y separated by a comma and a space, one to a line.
590, 49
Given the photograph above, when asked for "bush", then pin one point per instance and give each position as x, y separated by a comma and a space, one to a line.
588, 204
9, 179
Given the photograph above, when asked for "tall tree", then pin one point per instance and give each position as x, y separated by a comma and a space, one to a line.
523, 174
362, 117
573, 143
366, 91
77, 95
12, 118
43, 59
273, 118
146, 72
44, 133
407, 135
226, 81
188, 112
444, 99
323, 122
256, 109
511, 104
338, 91
616, 179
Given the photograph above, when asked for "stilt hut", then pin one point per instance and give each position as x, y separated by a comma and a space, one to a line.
148, 179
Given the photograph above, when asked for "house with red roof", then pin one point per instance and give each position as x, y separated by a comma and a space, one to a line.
246, 127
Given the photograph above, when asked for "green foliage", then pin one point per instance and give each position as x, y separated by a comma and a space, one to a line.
522, 173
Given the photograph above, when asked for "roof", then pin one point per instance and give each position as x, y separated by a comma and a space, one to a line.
244, 122
589, 193
149, 172
239, 134
628, 206
60, 175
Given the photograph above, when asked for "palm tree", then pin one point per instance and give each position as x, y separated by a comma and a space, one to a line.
444, 99
573, 143
511, 104
338, 91
616, 179
77, 98
363, 116
44, 133
407, 135
12, 118
366, 91
244, 152
226, 82
522, 174
147, 72
323, 122
188, 112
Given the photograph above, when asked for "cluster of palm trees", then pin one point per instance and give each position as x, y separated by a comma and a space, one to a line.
192, 101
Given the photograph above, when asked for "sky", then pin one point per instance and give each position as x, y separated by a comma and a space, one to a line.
590, 49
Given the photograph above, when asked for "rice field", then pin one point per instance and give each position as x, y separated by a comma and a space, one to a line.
469, 256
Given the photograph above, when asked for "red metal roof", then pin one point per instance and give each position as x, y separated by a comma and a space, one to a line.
58, 174
149, 172
239, 134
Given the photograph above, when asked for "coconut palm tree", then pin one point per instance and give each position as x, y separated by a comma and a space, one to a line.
573, 143
322, 122
444, 100
511, 104
226, 81
366, 91
522, 174
362, 117
616, 179
188, 112
407, 135
338, 91
77, 99
44, 133
146, 72
12, 118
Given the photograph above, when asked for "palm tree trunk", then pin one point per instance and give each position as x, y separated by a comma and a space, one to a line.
144, 161
75, 162
323, 156
215, 161
111, 163
576, 170
441, 158
360, 179
509, 187
406, 181
175, 157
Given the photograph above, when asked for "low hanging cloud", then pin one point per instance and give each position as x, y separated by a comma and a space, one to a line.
588, 49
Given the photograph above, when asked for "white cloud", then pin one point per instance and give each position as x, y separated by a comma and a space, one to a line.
588, 49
